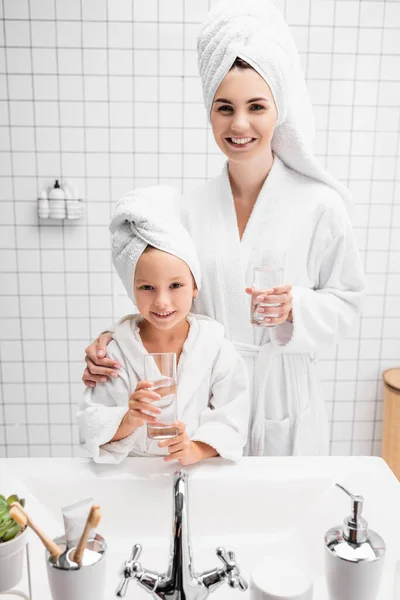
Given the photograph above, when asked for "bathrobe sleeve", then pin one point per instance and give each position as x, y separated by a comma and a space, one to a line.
224, 423
100, 413
323, 315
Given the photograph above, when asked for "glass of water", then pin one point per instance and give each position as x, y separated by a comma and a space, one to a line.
264, 278
160, 369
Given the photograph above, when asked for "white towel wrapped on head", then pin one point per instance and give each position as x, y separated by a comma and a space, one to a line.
149, 216
255, 31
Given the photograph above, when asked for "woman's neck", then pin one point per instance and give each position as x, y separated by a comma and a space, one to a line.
247, 178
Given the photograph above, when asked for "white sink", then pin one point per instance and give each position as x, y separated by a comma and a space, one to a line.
278, 506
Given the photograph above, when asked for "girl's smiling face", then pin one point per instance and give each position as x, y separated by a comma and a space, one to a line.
164, 288
243, 115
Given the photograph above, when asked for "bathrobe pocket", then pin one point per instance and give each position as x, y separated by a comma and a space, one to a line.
311, 435
277, 437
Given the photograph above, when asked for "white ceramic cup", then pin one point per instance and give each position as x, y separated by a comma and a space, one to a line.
280, 579
86, 583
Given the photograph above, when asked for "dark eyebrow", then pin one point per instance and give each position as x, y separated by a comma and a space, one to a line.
225, 101
257, 100
177, 278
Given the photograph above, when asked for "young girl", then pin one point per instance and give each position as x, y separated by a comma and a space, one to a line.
156, 260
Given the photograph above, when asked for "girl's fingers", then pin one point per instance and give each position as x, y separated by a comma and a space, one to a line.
144, 385
137, 414
180, 425
143, 406
177, 447
172, 441
167, 390
144, 396
176, 456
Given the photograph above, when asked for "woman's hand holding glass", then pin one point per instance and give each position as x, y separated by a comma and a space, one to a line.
183, 449
279, 295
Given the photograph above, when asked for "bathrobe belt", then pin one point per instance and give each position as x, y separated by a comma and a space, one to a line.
263, 356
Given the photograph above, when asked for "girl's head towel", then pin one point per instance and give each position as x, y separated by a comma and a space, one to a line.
149, 216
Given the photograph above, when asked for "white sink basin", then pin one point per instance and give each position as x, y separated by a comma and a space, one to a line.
278, 506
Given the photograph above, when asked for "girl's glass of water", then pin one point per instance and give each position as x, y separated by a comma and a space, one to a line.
160, 369
264, 278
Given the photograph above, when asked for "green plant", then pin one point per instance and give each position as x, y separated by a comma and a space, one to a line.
9, 528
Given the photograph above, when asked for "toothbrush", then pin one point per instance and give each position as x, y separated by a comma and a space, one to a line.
20, 516
92, 522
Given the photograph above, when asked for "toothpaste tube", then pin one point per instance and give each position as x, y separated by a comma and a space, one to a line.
75, 516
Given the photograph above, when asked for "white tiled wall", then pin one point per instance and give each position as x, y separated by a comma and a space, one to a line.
106, 94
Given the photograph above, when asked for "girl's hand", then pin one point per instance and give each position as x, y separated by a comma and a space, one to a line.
182, 449
280, 294
140, 404
99, 368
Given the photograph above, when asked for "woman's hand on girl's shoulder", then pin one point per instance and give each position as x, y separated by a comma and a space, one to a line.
98, 367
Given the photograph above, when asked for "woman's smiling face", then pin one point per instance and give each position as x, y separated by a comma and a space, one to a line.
243, 115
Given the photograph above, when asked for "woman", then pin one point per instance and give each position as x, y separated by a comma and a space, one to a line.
272, 195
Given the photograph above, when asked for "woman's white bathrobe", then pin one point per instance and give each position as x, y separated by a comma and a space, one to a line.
212, 396
308, 220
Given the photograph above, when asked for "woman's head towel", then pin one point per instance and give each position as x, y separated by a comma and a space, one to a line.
149, 216
255, 31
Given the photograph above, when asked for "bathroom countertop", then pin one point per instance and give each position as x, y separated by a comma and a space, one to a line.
259, 506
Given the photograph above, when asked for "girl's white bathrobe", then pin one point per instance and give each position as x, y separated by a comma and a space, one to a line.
308, 220
212, 397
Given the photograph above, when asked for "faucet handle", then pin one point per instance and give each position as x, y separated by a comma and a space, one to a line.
228, 558
234, 578
129, 569
136, 551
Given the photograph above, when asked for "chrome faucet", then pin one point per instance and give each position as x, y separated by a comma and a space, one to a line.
180, 582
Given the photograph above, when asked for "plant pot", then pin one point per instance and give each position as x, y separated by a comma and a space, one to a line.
12, 556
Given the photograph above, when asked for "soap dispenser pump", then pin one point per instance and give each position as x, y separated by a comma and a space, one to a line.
353, 556
57, 202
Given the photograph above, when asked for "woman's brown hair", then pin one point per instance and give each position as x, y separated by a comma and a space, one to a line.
240, 64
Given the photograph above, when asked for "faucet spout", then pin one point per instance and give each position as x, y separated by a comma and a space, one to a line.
181, 567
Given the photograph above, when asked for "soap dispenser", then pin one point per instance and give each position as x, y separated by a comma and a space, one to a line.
57, 202
354, 557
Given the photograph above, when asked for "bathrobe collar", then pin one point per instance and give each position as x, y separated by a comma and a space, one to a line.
236, 255
198, 355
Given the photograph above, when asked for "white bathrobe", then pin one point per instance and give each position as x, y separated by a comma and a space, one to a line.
308, 220
212, 396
